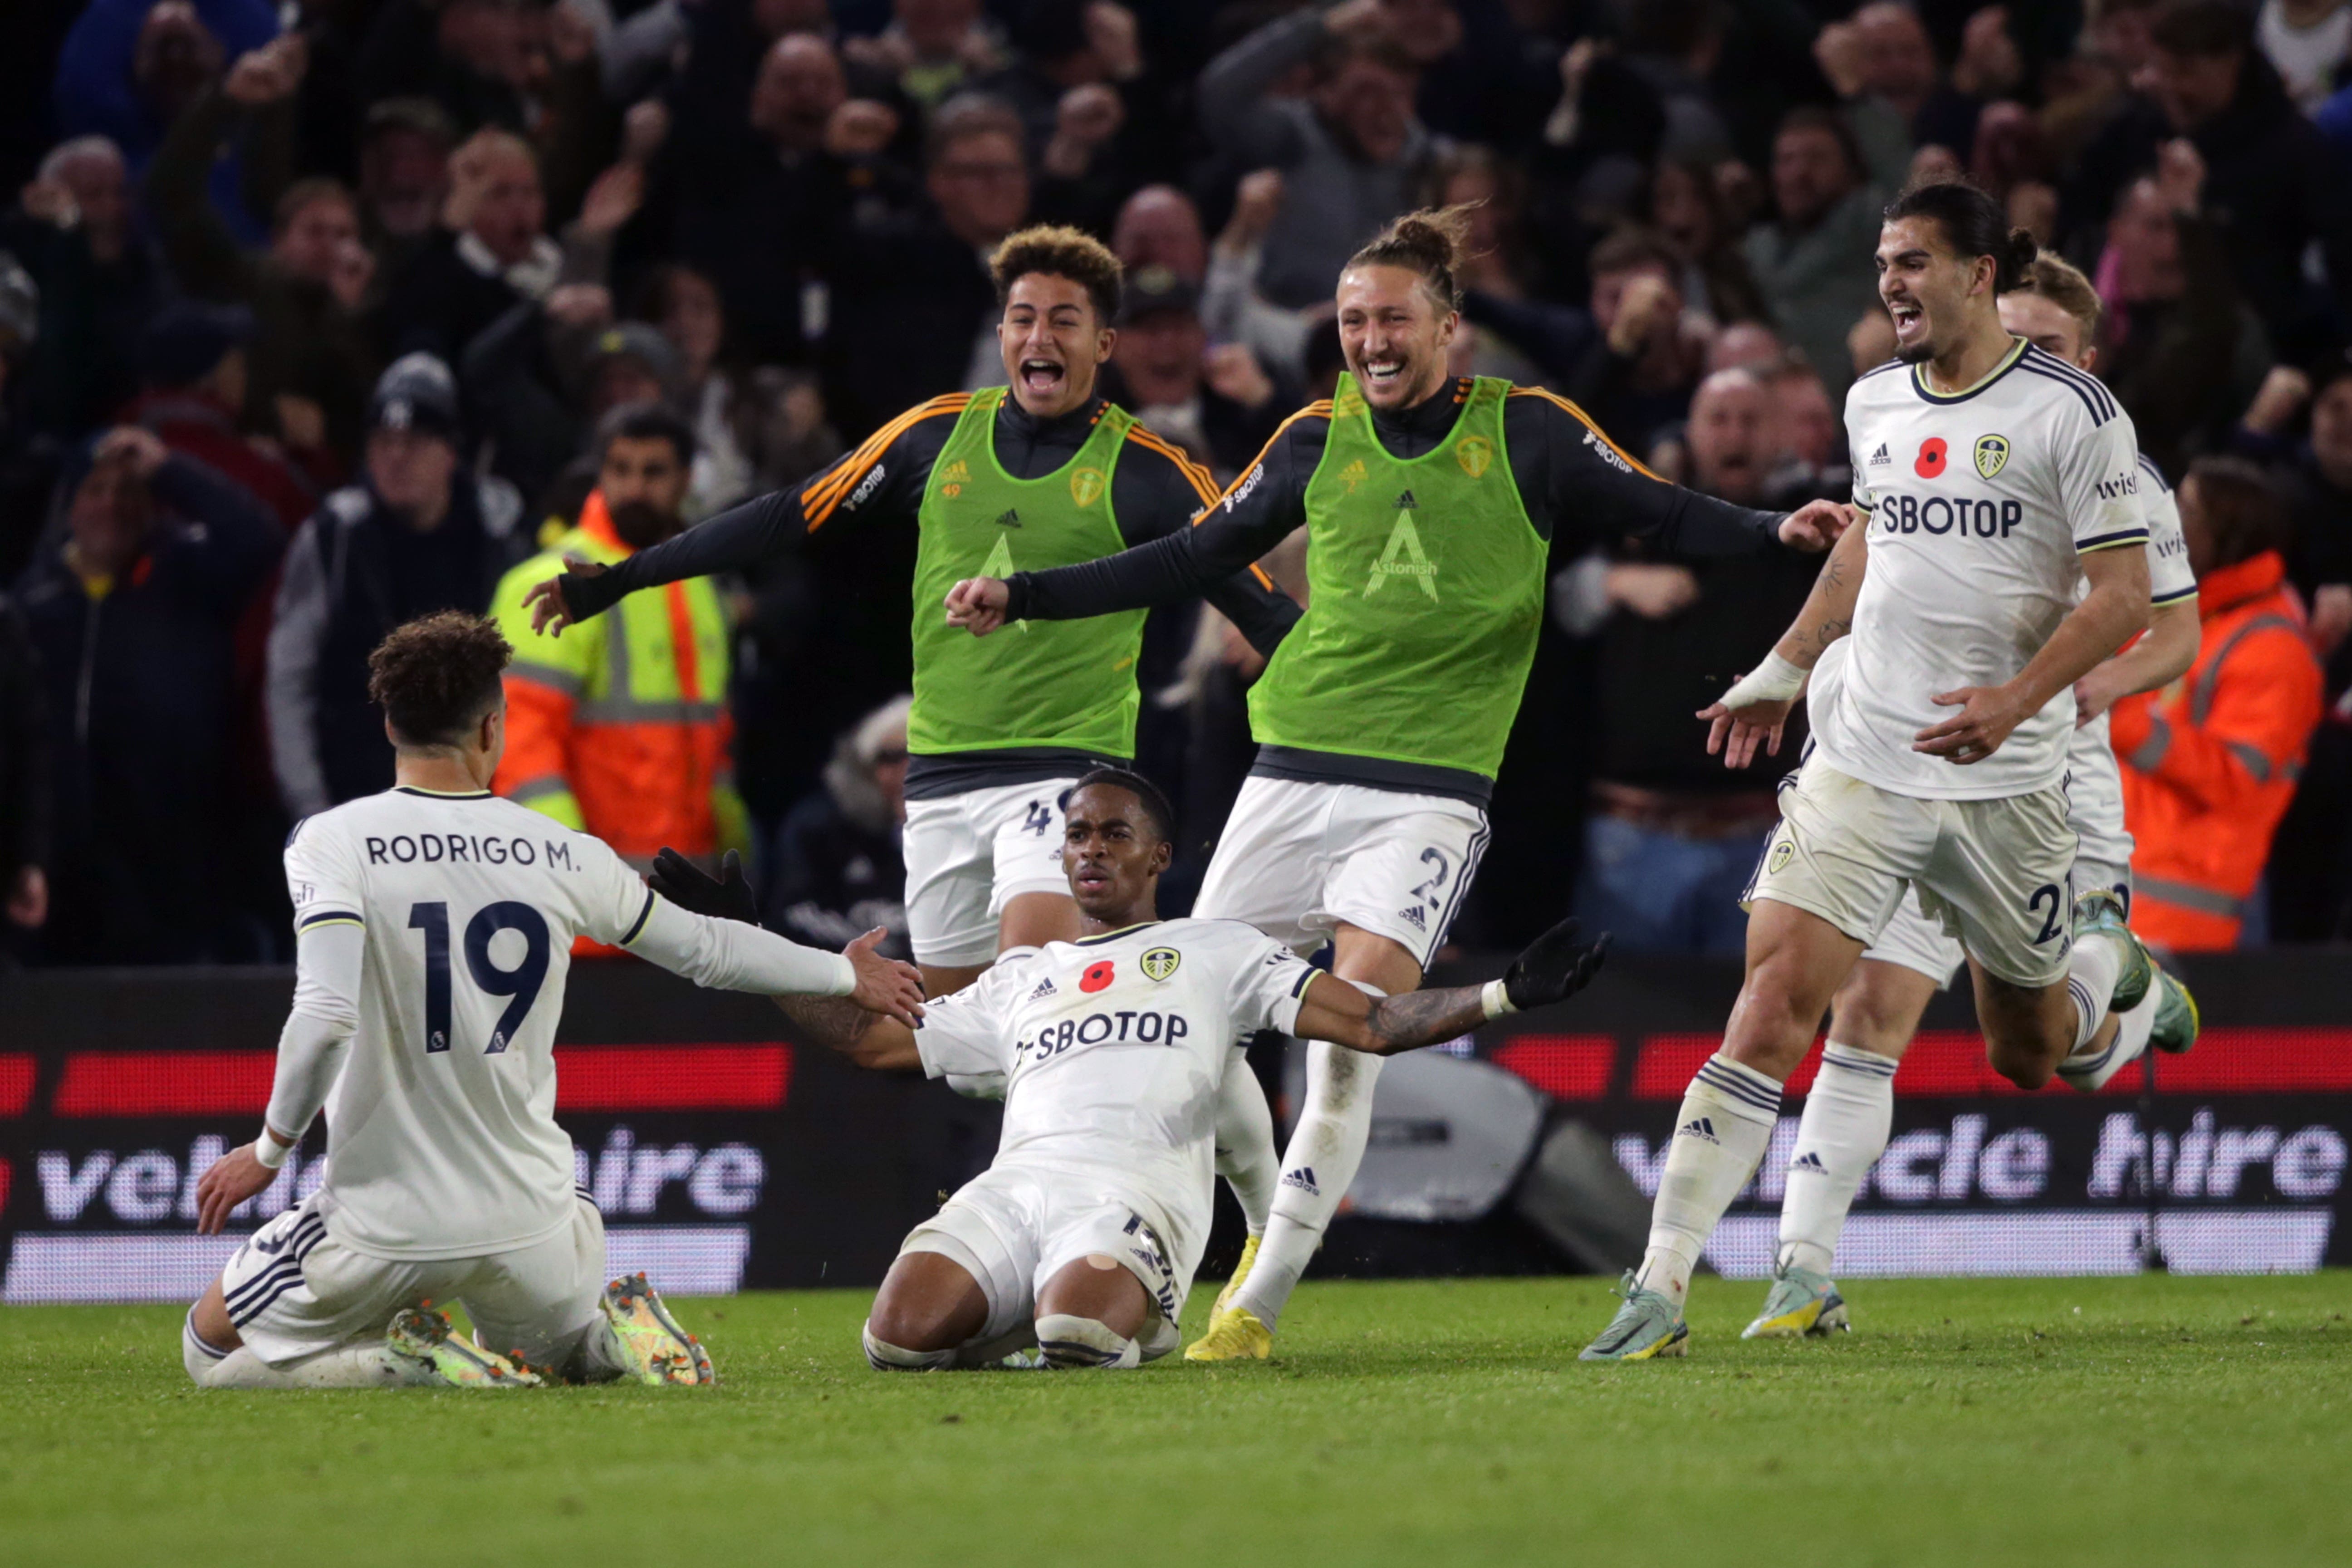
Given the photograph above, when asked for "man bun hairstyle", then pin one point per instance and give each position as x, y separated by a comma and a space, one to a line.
2062, 283
1059, 251
436, 676
1973, 225
1154, 800
1433, 243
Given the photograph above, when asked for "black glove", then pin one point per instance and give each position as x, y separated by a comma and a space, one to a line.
726, 897
1555, 967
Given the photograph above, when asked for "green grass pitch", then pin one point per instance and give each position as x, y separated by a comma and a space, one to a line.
2134, 1421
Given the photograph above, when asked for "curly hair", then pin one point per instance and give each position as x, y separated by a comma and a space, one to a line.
436, 676
1059, 251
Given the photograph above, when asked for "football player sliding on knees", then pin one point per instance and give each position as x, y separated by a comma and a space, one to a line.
1082, 1237
433, 925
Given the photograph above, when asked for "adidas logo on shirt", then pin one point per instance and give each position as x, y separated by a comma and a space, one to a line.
1880, 456
1009, 518
1809, 1161
1044, 988
1414, 918
1698, 1127
1302, 1178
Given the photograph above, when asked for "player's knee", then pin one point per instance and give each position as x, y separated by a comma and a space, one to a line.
898, 1322
1071, 1343
2028, 1066
883, 1355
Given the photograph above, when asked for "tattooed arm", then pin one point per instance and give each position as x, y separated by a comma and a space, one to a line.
869, 1040
1741, 725
1555, 967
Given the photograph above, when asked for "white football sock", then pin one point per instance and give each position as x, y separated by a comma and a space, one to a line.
1247, 1157
198, 1354
2089, 1070
369, 1366
1071, 1343
884, 1356
1720, 1134
2090, 975
1848, 1113
1326, 1147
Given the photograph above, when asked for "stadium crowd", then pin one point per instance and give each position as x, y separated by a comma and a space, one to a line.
317, 315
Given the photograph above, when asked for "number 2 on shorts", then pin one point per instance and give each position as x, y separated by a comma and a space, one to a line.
2051, 923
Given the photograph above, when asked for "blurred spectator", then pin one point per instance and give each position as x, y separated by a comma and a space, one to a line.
2308, 43
1813, 263
1674, 835
630, 740
99, 280
132, 615
1350, 154
2311, 860
913, 311
1809, 433
759, 189
836, 871
403, 164
195, 371
1637, 376
27, 456
756, 428
129, 68
2287, 186
1218, 404
25, 787
310, 361
1230, 304
2210, 762
416, 534
1688, 211
477, 59
932, 48
2178, 347
494, 251
1078, 82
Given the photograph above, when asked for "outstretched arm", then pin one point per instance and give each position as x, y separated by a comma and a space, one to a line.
1753, 713
869, 1040
1554, 968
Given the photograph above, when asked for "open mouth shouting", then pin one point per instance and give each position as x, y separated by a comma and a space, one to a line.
1040, 376
1910, 321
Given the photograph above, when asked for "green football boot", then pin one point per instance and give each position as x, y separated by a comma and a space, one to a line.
2177, 1020
657, 1349
424, 1338
1801, 1302
2100, 911
1648, 1325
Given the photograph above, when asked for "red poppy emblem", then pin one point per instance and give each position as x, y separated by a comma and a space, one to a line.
1931, 457
1098, 974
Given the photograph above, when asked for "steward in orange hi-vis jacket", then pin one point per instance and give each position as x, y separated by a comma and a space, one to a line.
622, 728
2209, 763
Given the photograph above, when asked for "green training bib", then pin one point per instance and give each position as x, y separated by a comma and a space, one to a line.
1428, 591
1044, 683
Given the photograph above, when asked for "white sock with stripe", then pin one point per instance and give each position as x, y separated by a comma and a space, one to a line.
1317, 1168
1071, 1343
2091, 976
2090, 1071
1247, 1157
1849, 1112
369, 1366
1720, 1134
884, 1356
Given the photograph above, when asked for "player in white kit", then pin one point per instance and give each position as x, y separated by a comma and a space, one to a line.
1993, 480
433, 925
1082, 1237
1849, 1111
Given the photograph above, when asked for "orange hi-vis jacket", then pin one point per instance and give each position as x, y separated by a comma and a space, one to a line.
620, 726
2210, 762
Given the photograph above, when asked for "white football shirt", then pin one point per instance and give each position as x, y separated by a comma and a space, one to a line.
442, 1140
1980, 504
1113, 1047
2095, 787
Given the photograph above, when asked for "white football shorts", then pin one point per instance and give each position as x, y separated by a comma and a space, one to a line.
293, 1290
1013, 1228
1991, 873
1298, 858
969, 854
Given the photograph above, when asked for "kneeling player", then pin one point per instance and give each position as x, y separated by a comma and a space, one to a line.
1082, 1237
435, 925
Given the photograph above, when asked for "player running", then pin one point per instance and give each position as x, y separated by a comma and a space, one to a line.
1039, 474
1995, 479
1850, 1109
1429, 503
433, 925
1082, 1237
